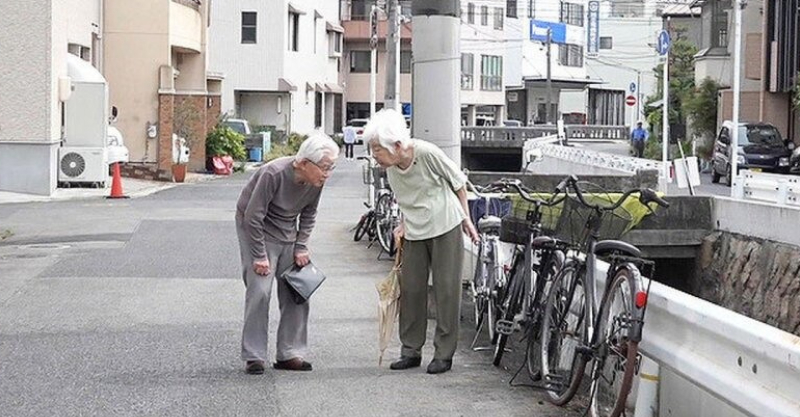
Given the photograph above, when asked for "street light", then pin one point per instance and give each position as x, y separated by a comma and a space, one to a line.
737, 86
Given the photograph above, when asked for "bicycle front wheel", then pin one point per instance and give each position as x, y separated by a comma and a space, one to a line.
386, 222
612, 375
563, 333
511, 304
546, 273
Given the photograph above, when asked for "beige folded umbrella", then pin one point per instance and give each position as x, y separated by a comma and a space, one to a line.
388, 304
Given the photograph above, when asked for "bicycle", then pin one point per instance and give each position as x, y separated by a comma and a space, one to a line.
489, 277
382, 214
530, 275
575, 330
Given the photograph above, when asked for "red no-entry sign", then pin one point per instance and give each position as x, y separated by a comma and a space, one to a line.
630, 100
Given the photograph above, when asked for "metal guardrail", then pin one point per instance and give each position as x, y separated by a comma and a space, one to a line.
597, 132
750, 365
783, 190
585, 156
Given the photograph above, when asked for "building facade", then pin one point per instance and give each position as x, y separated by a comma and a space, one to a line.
35, 47
526, 61
154, 58
280, 63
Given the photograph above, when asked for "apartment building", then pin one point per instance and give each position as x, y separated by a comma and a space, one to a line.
154, 58
356, 60
280, 62
526, 60
482, 58
35, 47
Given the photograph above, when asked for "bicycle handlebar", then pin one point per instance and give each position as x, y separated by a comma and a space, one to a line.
646, 196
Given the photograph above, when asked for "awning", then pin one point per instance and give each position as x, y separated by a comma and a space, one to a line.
286, 85
317, 15
334, 88
320, 87
310, 87
296, 10
333, 27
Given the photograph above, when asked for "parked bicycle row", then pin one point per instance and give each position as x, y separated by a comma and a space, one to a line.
569, 318
383, 214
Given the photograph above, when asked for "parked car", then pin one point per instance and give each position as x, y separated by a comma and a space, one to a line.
238, 125
358, 125
117, 151
761, 148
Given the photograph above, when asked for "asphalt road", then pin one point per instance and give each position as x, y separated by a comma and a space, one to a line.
135, 308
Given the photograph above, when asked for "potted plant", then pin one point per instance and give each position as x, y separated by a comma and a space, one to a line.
223, 146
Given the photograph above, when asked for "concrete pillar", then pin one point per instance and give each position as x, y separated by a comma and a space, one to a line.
499, 115
472, 111
437, 70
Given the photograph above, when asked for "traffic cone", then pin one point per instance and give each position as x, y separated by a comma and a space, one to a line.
116, 184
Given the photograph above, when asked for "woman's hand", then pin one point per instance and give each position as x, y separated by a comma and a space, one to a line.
469, 230
399, 231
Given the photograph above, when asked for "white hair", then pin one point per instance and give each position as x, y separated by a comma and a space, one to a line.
386, 128
316, 146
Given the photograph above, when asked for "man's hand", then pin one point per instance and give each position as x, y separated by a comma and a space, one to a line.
261, 267
469, 230
399, 231
301, 258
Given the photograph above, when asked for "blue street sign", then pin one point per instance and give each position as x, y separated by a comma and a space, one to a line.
664, 42
558, 31
633, 87
593, 28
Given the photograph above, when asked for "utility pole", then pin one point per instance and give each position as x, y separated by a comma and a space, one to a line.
549, 77
391, 99
737, 88
373, 58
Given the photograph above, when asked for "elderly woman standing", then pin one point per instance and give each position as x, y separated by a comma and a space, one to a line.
275, 215
431, 193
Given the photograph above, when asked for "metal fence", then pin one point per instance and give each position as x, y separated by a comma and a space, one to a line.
783, 190
486, 133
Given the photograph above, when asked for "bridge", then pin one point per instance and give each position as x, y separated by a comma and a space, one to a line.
723, 319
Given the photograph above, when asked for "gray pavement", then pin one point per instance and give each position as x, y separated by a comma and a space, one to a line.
134, 307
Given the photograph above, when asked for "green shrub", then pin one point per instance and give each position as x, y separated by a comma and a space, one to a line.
289, 148
225, 141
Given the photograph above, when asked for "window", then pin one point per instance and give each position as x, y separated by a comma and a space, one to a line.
294, 29
498, 18
318, 109
470, 13
628, 8
405, 62
360, 61
571, 13
491, 73
249, 27
511, 8
315, 34
606, 42
467, 71
405, 8
485, 15
719, 24
359, 9
570, 55
531, 9
337, 42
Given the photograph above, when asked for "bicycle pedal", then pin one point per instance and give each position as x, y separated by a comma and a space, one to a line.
505, 327
585, 351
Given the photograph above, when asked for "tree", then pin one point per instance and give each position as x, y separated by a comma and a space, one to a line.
702, 107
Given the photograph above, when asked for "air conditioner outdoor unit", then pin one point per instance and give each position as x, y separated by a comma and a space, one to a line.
82, 165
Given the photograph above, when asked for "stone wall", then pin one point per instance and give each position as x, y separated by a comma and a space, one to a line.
754, 277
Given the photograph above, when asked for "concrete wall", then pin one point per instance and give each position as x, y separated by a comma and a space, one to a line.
136, 37
186, 27
357, 83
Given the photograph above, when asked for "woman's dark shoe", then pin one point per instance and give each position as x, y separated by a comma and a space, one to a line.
438, 366
254, 367
405, 362
294, 364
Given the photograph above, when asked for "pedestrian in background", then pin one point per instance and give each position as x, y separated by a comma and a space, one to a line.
275, 215
349, 141
431, 194
638, 139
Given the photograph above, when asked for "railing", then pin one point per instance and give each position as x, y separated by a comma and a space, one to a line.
588, 157
597, 132
524, 133
783, 190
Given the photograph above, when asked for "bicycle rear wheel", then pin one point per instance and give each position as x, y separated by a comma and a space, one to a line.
546, 273
363, 225
482, 286
612, 376
510, 306
563, 333
386, 222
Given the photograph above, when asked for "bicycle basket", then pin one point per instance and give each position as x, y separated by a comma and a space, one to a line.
514, 227
572, 225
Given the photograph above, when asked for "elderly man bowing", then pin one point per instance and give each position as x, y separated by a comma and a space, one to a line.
275, 215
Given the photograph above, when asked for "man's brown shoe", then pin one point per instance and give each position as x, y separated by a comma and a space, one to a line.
254, 367
294, 364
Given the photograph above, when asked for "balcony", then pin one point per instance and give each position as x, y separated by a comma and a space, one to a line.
186, 25
358, 30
